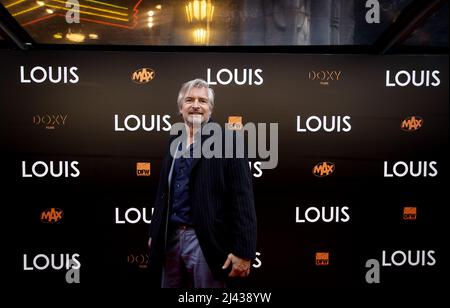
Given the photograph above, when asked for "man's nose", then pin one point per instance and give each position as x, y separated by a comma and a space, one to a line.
196, 103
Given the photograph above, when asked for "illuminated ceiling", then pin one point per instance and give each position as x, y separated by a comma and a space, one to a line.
102, 12
217, 22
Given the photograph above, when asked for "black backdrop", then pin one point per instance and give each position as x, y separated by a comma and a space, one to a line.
115, 254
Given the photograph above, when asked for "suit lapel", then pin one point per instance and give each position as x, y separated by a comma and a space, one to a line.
171, 163
195, 161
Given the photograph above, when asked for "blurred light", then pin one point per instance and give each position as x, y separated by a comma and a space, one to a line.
150, 25
93, 36
75, 37
158, 7
12, 4
49, 11
40, 3
200, 36
150, 19
151, 13
199, 10
58, 36
26, 11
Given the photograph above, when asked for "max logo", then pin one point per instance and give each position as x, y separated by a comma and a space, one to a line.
51, 215
323, 169
143, 75
411, 123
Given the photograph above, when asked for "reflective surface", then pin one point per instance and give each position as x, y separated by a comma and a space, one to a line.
208, 22
434, 32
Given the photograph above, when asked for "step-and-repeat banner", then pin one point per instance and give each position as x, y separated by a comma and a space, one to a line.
358, 147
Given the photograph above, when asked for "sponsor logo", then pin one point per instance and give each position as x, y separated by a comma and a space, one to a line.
240, 77
53, 169
324, 77
324, 214
132, 215
143, 75
144, 122
403, 78
51, 215
234, 123
411, 123
322, 258
325, 123
412, 168
143, 169
39, 74
54, 261
139, 260
323, 169
50, 121
409, 213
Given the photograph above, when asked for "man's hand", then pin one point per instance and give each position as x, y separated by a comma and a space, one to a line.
241, 267
149, 242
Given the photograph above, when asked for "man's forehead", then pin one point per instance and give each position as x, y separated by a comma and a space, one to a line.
195, 91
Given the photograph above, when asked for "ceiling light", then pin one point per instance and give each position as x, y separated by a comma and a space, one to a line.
158, 7
75, 37
200, 36
199, 10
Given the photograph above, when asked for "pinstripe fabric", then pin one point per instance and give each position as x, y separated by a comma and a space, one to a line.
223, 211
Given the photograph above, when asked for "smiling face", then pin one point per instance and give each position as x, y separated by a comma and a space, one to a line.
196, 107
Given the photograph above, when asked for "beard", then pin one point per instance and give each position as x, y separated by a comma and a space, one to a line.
196, 119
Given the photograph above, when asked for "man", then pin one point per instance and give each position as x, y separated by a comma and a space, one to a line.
204, 224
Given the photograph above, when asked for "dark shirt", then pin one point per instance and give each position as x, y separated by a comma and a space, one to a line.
180, 201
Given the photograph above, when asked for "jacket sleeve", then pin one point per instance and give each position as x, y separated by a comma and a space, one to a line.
161, 191
243, 214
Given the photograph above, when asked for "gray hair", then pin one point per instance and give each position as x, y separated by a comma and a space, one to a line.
197, 83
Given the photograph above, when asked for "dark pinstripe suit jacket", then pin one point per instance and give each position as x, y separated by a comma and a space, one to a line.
223, 211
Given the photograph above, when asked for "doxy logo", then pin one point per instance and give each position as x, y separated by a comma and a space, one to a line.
50, 121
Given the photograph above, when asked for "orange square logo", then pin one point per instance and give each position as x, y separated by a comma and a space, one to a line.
143, 169
235, 123
409, 213
322, 258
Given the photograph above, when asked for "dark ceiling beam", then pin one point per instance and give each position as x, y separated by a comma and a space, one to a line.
13, 30
409, 19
